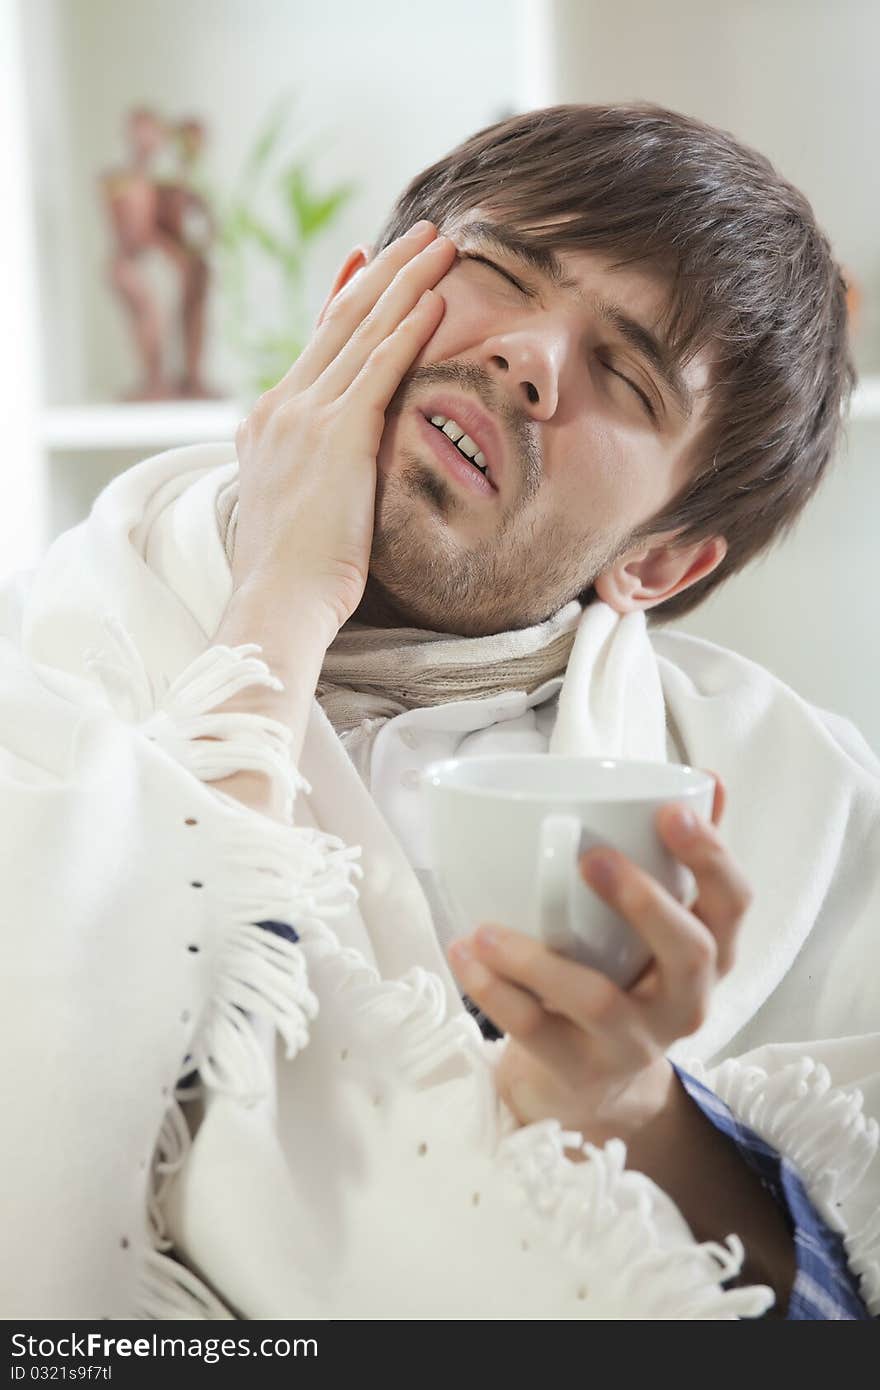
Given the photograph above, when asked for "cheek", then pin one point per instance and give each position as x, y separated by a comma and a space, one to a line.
616, 485
463, 326
625, 497
600, 485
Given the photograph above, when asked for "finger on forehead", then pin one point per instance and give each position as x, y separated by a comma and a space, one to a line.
350, 307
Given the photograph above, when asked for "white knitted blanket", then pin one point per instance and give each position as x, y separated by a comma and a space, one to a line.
349, 1119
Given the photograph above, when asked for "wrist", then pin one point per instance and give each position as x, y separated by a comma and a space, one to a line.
291, 628
665, 1129
641, 1107
715, 1190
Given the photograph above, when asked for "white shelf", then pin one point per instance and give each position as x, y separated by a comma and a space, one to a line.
136, 425
173, 423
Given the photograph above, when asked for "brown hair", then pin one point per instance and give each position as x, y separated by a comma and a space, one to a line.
751, 277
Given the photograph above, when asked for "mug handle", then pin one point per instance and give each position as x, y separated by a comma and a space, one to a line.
621, 956
558, 854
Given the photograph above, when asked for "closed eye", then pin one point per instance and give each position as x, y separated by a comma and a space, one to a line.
483, 260
631, 384
530, 294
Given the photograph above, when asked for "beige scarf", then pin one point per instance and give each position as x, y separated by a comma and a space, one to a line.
372, 674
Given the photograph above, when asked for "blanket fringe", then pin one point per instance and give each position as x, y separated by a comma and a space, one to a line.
172, 1147
598, 1212
182, 715
268, 872
165, 1288
602, 1214
261, 974
824, 1132
169, 1291
301, 878
411, 1012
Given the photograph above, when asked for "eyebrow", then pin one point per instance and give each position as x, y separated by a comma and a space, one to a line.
547, 264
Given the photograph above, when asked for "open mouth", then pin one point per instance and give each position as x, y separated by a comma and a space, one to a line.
462, 441
457, 460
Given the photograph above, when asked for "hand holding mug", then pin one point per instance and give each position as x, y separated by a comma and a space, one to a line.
507, 832
580, 1048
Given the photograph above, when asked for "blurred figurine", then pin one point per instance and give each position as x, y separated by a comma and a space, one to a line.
184, 217
147, 211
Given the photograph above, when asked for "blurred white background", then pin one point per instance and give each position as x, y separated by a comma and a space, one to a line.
382, 90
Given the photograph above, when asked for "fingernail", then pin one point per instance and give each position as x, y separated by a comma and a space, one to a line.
419, 229
601, 870
487, 936
476, 976
683, 822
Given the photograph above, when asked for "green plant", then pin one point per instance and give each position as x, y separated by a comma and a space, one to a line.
244, 231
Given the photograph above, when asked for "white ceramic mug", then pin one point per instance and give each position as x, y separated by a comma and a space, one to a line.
507, 832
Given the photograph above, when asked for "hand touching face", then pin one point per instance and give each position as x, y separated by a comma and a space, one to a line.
583, 442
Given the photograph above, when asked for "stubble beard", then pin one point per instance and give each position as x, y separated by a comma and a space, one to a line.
419, 577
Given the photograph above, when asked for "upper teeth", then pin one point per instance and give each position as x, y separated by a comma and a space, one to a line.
461, 440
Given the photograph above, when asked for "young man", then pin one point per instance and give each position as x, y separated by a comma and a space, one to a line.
611, 381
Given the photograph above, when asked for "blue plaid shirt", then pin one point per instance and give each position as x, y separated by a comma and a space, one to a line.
825, 1289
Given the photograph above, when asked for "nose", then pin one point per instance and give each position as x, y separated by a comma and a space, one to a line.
527, 362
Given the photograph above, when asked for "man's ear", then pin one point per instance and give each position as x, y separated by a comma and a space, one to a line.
647, 577
354, 261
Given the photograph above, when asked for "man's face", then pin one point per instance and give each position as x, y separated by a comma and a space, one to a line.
583, 437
